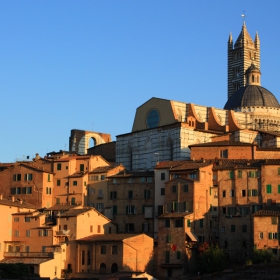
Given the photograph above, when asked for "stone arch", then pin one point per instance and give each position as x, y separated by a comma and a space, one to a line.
102, 269
114, 268
83, 144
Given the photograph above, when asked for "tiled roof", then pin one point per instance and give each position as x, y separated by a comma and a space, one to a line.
108, 237
267, 213
174, 215
75, 212
132, 174
16, 203
102, 169
78, 174
59, 207
221, 143
183, 164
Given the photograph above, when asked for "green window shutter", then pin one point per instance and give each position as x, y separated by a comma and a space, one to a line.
270, 235
249, 192
268, 188
278, 188
188, 223
278, 170
276, 235
210, 190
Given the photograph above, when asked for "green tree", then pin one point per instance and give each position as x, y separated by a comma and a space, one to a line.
261, 256
13, 271
212, 259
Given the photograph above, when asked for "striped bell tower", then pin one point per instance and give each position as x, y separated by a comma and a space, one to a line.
241, 55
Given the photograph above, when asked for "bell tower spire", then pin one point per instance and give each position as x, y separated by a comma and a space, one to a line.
241, 55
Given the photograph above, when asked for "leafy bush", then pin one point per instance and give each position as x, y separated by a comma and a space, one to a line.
212, 259
261, 256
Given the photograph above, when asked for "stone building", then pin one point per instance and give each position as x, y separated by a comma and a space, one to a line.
110, 253
131, 201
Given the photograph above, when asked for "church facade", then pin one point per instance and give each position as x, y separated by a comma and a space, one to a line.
164, 129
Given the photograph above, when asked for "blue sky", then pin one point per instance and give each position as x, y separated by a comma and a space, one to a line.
89, 64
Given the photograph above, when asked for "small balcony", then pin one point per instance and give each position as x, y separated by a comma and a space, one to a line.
62, 232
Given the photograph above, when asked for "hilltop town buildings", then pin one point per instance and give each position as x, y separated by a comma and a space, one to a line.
184, 176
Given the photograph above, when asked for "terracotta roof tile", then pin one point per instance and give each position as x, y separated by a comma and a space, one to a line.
109, 237
267, 213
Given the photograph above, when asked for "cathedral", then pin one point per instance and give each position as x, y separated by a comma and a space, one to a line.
164, 129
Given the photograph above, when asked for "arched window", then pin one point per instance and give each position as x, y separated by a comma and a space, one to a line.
102, 269
114, 268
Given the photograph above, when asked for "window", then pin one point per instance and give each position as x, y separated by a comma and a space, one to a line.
192, 175
278, 171
28, 177
100, 206
150, 179
178, 255
261, 235
27, 249
147, 193
232, 210
243, 193
113, 195
167, 256
253, 192
278, 188
224, 154
174, 188
115, 181
232, 228
188, 223
82, 167
143, 180
23, 190
244, 244
162, 191
58, 166
27, 219
130, 180
130, 194
130, 209
168, 239
145, 227
226, 244
98, 228
48, 190
167, 223
201, 223
162, 176
129, 227
268, 189
75, 183
152, 119
43, 232
231, 193
274, 220
16, 233
103, 250
115, 209
17, 177
244, 210
223, 228
178, 223
27, 233
239, 173
16, 219
90, 228
231, 174
253, 174
49, 177
100, 193
256, 208
185, 188
224, 210
244, 228
57, 201
58, 183
272, 235
102, 177
88, 258
224, 193
114, 250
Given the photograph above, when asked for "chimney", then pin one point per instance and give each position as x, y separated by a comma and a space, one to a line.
1, 196
13, 199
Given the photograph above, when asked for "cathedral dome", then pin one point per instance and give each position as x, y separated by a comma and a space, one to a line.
252, 95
